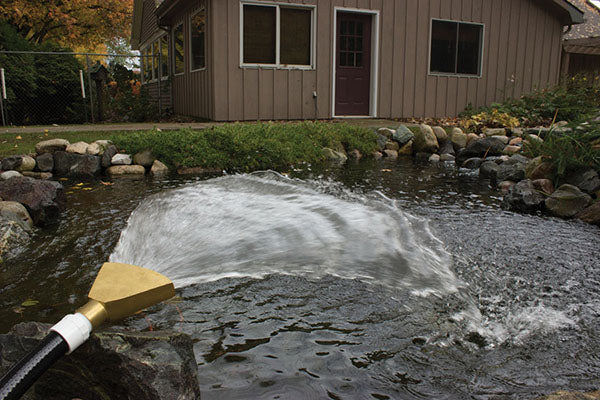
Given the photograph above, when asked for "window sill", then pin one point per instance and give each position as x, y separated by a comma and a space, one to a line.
278, 67
198, 70
450, 75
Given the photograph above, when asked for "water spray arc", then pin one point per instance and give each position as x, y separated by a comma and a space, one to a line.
118, 291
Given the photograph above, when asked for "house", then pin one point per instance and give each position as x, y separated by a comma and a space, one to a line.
230, 60
581, 45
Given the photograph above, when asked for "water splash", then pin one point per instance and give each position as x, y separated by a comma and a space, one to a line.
264, 223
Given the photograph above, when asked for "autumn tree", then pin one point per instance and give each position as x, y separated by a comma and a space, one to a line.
72, 23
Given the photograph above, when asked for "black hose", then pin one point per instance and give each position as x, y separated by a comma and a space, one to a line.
24, 374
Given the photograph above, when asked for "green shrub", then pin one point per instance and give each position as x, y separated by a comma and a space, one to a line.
249, 147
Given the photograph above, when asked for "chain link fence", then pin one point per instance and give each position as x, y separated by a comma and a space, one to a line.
42, 88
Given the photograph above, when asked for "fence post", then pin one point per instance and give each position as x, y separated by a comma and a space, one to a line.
2, 96
89, 74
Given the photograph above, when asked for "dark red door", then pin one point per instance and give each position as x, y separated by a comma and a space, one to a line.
353, 65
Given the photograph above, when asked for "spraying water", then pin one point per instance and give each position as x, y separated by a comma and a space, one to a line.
265, 223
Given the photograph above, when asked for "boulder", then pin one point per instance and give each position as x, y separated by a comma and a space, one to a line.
472, 137
510, 172
392, 146
533, 138
77, 148
585, 179
407, 149
76, 165
458, 138
564, 395
13, 237
523, 197
387, 132
591, 214
381, 142
108, 154
44, 200
16, 212
489, 146
533, 165
157, 365
45, 162
6, 175
434, 158
488, 170
393, 154
516, 141
544, 185
126, 170
402, 135
11, 163
425, 140
503, 139
518, 159
93, 149
159, 168
121, 159
52, 145
567, 201
332, 155
494, 132
516, 132
354, 154
376, 155
440, 134
472, 163
505, 186
38, 175
447, 157
144, 158
447, 148
27, 164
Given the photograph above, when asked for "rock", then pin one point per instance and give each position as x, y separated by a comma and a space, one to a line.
434, 158
50, 146
121, 159
76, 165
198, 171
376, 155
144, 158
488, 170
126, 170
503, 139
494, 132
425, 140
77, 148
537, 168
407, 149
499, 159
534, 138
561, 124
472, 163
544, 185
402, 135
387, 132
393, 154
16, 212
45, 162
159, 168
13, 237
516, 132
157, 365
564, 395
505, 186
523, 197
471, 137
392, 146
38, 175
447, 157
11, 163
532, 165
511, 149
586, 180
458, 138
93, 149
518, 159
515, 141
9, 174
447, 148
98, 147
422, 156
591, 214
489, 146
510, 172
107, 156
332, 155
440, 134
354, 154
44, 200
567, 201
27, 164
381, 141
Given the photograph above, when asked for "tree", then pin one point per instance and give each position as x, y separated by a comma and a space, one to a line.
71, 23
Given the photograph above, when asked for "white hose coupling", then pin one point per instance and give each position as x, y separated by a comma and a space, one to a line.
75, 330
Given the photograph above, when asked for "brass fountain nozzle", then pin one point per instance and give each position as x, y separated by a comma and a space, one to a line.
123, 289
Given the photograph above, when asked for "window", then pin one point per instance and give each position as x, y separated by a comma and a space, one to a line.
456, 47
164, 56
197, 39
264, 26
178, 49
147, 63
154, 59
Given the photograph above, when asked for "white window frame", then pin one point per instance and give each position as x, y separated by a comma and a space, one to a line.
191, 57
175, 73
481, 50
277, 6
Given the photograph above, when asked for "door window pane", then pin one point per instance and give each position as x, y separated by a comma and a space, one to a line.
197, 33
295, 36
178, 49
443, 46
468, 49
259, 34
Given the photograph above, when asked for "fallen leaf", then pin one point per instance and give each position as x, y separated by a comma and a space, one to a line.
70, 192
18, 309
87, 188
80, 184
18, 138
106, 183
386, 170
29, 303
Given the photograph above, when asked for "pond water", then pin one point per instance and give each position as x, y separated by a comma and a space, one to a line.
367, 281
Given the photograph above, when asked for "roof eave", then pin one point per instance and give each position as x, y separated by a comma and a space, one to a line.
574, 13
136, 25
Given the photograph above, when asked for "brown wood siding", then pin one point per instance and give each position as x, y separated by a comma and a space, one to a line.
149, 25
165, 93
193, 90
521, 52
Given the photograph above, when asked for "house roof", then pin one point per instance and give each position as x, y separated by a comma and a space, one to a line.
136, 25
591, 25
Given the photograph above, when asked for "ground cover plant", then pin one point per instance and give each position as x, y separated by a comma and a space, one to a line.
248, 147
